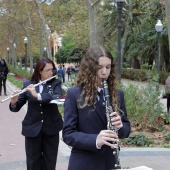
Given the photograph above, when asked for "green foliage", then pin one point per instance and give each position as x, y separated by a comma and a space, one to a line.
165, 145
142, 75
69, 52
76, 55
68, 41
138, 140
61, 109
143, 105
166, 117
167, 137
23, 72
15, 81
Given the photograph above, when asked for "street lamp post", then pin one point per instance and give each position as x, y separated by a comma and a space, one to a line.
8, 49
59, 47
52, 53
159, 28
45, 51
14, 59
48, 31
119, 26
25, 42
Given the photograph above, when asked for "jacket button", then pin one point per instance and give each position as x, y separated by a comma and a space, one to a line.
42, 121
40, 105
41, 112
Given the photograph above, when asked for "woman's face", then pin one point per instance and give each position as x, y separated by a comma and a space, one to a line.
47, 71
104, 68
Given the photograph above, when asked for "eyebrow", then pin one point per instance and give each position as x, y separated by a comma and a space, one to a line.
106, 65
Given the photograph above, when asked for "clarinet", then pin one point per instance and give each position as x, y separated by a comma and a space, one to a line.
109, 110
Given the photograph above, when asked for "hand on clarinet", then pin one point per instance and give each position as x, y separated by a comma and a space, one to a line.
107, 137
116, 120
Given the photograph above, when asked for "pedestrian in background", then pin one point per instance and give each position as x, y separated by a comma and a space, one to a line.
60, 73
167, 93
64, 73
4, 71
85, 122
69, 73
42, 122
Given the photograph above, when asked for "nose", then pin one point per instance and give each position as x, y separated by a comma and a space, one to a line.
104, 71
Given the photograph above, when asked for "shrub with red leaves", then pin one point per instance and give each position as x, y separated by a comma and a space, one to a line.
19, 77
63, 96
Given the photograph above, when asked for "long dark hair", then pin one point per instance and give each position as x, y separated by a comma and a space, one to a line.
4, 62
41, 63
87, 76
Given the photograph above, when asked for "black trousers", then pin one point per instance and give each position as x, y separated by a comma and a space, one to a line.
41, 151
4, 85
168, 102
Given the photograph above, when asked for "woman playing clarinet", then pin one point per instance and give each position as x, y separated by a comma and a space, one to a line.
42, 121
85, 121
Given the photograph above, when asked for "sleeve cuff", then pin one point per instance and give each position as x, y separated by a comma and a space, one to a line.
97, 146
39, 97
13, 106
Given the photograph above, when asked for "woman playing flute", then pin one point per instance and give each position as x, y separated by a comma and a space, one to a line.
42, 121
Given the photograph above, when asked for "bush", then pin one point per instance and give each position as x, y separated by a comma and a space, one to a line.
141, 74
143, 105
138, 140
23, 72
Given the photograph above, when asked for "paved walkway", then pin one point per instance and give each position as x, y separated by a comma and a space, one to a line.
12, 152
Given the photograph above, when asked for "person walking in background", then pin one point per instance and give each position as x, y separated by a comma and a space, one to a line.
42, 121
64, 73
60, 73
167, 95
69, 73
3, 71
85, 122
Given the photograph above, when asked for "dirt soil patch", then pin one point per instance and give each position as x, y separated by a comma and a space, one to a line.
158, 137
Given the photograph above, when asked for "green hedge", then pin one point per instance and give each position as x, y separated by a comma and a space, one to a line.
142, 75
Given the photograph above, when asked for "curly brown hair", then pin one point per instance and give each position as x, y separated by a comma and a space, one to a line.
87, 77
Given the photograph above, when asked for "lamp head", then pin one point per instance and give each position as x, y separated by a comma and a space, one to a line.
159, 26
47, 29
45, 48
120, 0
8, 49
15, 45
25, 40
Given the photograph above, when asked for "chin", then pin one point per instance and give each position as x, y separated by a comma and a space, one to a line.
100, 84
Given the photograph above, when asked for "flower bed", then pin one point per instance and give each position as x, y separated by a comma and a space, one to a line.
19, 77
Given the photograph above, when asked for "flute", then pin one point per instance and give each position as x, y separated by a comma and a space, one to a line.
24, 90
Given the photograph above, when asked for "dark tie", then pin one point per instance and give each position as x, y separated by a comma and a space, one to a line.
101, 101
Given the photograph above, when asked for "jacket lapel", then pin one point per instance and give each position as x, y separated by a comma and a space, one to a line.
37, 89
99, 112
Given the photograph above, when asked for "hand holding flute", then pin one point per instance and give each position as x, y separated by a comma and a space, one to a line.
30, 88
15, 98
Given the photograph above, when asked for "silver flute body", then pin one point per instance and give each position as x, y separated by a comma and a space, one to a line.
109, 110
24, 90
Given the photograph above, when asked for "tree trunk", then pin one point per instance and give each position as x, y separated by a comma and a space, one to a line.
129, 18
94, 39
136, 63
167, 7
44, 26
